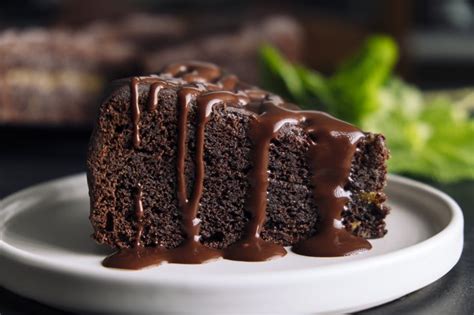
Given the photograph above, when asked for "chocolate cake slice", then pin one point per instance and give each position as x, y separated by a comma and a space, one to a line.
190, 165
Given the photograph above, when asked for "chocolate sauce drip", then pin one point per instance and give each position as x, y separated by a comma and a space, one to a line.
330, 156
155, 89
135, 111
191, 251
229, 82
194, 71
252, 247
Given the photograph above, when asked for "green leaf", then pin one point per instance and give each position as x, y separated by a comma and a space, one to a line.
279, 75
434, 140
355, 85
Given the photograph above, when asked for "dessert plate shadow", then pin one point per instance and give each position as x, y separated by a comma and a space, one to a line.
46, 254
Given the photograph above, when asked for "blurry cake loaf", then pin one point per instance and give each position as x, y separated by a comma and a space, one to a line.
54, 76
192, 164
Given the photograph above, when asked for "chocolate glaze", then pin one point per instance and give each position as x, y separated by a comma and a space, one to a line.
333, 144
155, 89
194, 71
251, 247
191, 251
330, 156
135, 111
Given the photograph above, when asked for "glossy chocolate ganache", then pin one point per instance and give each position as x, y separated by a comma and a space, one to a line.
332, 147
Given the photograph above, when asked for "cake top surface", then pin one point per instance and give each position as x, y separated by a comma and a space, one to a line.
213, 86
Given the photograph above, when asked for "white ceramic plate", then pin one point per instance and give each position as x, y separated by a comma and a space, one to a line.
47, 255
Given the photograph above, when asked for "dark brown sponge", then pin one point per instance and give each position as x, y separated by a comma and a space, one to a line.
115, 167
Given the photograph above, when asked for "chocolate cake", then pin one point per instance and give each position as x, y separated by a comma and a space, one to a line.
191, 164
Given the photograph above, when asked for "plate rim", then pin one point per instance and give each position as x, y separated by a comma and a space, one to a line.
454, 226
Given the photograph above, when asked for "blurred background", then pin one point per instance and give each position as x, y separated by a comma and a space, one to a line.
57, 59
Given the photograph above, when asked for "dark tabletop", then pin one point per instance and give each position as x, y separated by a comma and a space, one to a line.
33, 155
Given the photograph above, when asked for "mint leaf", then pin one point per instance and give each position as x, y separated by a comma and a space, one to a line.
355, 85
